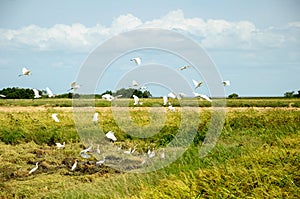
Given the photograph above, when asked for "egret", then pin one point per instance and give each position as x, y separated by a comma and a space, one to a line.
59, 145
202, 96
163, 154
110, 135
165, 98
171, 108
197, 84
152, 154
136, 100
137, 60
54, 117
171, 95
98, 149
74, 165
36, 93
87, 149
128, 151
108, 97
95, 117
184, 67
74, 86
84, 155
25, 71
3, 96
134, 83
49, 92
100, 162
35, 168
226, 83
134, 148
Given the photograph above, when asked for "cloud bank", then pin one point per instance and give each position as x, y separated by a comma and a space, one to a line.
211, 34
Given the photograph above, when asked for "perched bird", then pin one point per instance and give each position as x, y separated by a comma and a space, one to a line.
184, 67
3, 96
165, 98
36, 93
100, 162
202, 96
95, 117
226, 83
110, 135
35, 168
59, 145
74, 165
197, 84
25, 71
171, 95
49, 92
137, 60
54, 117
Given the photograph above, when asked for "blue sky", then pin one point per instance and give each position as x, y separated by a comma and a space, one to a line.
254, 44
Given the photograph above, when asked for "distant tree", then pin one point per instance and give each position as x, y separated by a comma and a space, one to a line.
129, 92
146, 94
17, 93
289, 94
233, 95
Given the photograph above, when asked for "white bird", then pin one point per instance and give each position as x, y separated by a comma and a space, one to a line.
59, 145
36, 93
137, 60
226, 83
87, 149
25, 71
74, 86
128, 151
100, 162
165, 98
95, 117
85, 155
171, 95
74, 165
163, 154
202, 96
110, 135
136, 100
134, 148
35, 168
184, 67
171, 108
134, 83
98, 149
54, 117
197, 84
152, 154
1, 95
49, 92
120, 147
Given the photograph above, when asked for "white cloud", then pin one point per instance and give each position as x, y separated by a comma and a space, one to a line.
219, 34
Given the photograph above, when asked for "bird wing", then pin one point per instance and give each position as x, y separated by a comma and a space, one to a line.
50, 93
196, 94
137, 60
206, 98
36, 93
226, 83
172, 95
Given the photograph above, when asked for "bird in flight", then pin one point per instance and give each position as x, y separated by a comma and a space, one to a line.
74, 86
25, 71
197, 84
49, 92
36, 93
202, 96
59, 145
226, 83
137, 60
185, 67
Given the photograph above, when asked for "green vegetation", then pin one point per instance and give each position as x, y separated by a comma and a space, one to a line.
257, 156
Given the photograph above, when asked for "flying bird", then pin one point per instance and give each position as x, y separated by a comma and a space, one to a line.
226, 83
54, 117
49, 92
25, 71
110, 135
59, 145
134, 83
137, 60
197, 84
171, 95
36, 93
35, 168
74, 86
202, 96
185, 67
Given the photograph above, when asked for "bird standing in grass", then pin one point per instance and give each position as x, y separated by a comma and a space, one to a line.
74, 165
34, 169
59, 145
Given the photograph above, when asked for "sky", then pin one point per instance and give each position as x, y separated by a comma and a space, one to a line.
254, 44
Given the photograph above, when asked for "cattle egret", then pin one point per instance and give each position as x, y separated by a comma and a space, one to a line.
87, 149
137, 60
202, 96
25, 71
134, 83
128, 151
184, 67
134, 148
110, 135
49, 92
74, 86
95, 117
165, 98
108, 97
98, 149
84, 155
35, 168
171, 108
136, 100
74, 165
100, 162
54, 117
36, 93
2, 96
171, 95
197, 84
226, 83
59, 145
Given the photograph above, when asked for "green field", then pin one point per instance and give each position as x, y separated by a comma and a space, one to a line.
256, 156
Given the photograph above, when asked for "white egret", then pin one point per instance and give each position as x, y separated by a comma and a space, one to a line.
87, 149
36, 93
171, 108
185, 67
3, 96
172, 95
74, 165
202, 96
54, 117
136, 100
134, 148
100, 162
152, 154
95, 117
98, 149
110, 135
35, 168
25, 71
165, 98
49, 92
226, 83
162, 154
84, 155
128, 151
137, 60
134, 83
197, 84
74, 86
59, 145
